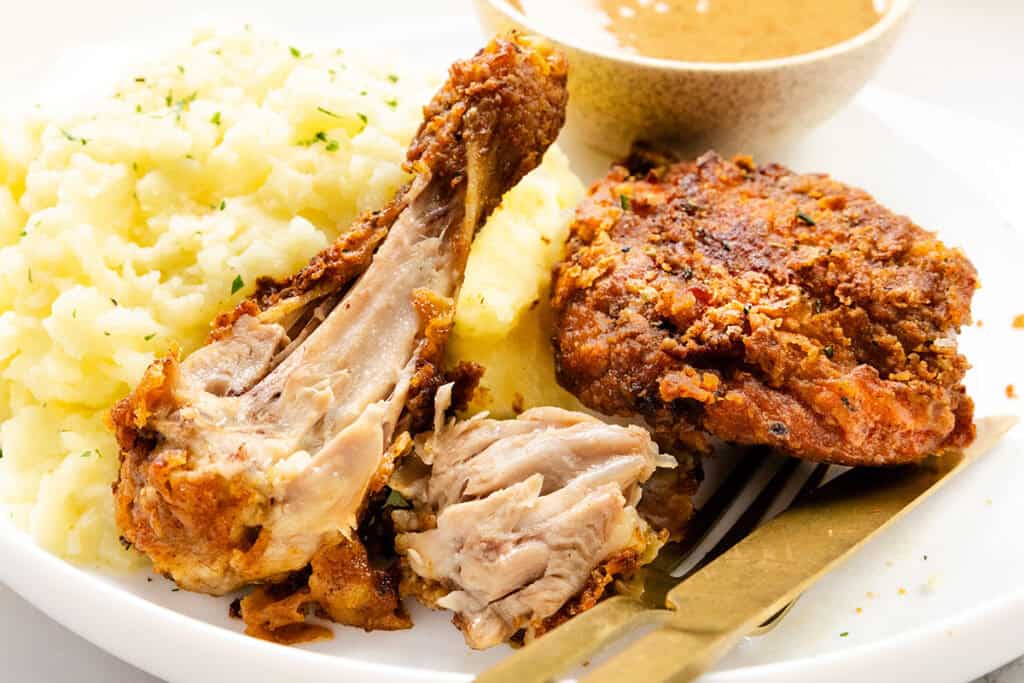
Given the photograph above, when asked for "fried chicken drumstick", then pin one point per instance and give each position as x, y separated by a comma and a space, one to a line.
253, 458
762, 306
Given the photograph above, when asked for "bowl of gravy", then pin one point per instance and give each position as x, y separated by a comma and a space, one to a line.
735, 75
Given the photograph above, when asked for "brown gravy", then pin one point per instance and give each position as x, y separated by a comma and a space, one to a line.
705, 30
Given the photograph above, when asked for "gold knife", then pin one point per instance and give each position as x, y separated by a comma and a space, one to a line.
709, 612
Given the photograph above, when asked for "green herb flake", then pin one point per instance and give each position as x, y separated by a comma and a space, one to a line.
24, 233
805, 218
624, 202
223, 204
237, 284
362, 93
330, 113
86, 454
140, 79
362, 117
149, 336
181, 69
113, 301
1, 454
844, 634
106, 334
215, 119
393, 78
73, 138
392, 102
829, 351
138, 108
396, 500
332, 146
169, 99
30, 275
74, 314
295, 52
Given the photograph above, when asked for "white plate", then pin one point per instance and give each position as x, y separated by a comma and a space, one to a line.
958, 558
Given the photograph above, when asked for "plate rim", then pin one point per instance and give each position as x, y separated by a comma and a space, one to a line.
38, 569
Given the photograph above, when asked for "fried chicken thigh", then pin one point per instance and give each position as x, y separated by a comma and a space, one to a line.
763, 306
522, 522
253, 458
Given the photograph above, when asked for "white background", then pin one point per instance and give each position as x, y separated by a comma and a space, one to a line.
965, 56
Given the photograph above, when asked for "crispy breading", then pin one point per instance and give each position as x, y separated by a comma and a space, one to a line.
762, 306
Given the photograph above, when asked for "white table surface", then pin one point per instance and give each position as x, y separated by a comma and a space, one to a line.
964, 55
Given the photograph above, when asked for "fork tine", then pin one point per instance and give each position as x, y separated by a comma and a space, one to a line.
753, 515
715, 506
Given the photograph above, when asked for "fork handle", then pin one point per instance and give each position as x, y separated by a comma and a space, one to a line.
666, 654
572, 643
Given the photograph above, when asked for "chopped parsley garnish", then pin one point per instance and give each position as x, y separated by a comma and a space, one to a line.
74, 314
328, 112
829, 351
393, 102
138, 108
844, 634
183, 104
73, 138
24, 233
805, 218
169, 99
113, 301
86, 454
237, 284
140, 79
396, 500
362, 93
624, 202
149, 336
1, 454
30, 275
393, 78
223, 204
332, 146
215, 119
181, 69
295, 52
362, 117
106, 334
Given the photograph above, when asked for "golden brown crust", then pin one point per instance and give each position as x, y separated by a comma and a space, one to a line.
341, 585
764, 307
622, 564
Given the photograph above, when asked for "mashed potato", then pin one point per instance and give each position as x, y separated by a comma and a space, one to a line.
503, 318
129, 227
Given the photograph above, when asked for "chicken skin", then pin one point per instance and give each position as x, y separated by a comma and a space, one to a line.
761, 306
253, 458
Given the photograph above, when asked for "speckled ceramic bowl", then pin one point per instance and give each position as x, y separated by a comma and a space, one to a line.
616, 98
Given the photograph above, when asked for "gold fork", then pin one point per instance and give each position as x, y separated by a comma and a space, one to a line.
731, 594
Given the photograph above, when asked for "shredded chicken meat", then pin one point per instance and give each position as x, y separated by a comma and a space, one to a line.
516, 516
253, 458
